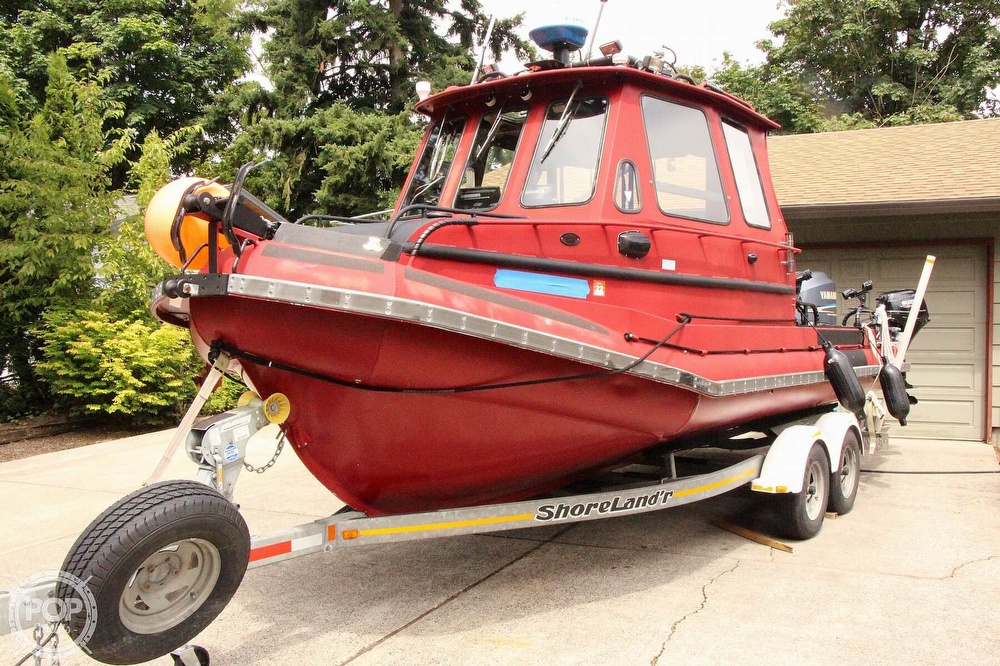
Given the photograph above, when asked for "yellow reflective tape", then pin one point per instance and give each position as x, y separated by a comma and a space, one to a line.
445, 526
712, 486
427, 527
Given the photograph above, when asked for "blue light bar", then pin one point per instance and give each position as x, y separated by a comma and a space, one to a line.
557, 37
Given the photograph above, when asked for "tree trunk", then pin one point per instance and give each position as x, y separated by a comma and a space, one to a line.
397, 63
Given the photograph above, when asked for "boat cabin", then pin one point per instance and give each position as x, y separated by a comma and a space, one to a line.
613, 181
610, 169
608, 142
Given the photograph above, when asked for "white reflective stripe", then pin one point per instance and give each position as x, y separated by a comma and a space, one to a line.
307, 542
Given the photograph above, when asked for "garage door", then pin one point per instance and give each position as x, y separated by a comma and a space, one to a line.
949, 355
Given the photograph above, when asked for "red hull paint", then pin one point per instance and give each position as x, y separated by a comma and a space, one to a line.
394, 452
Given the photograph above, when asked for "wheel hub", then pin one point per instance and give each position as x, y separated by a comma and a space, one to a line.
815, 491
157, 574
848, 470
169, 586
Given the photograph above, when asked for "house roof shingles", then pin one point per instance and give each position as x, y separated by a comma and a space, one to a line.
953, 164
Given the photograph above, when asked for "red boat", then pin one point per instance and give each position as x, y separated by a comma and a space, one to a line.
587, 264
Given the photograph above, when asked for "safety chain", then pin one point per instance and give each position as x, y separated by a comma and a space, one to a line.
54, 647
274, 458
41, 640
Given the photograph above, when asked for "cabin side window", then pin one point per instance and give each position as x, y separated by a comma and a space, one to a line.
685, 170
432, 170
626, 193
488, 166
564, 167
748, 183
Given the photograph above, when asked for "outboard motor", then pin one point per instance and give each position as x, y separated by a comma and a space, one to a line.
817, 299
897, 307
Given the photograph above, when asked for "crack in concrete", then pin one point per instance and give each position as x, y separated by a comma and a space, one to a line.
455, 596
906, 576
704, 602
971, 562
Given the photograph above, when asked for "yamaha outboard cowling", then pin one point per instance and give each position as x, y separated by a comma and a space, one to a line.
817, 302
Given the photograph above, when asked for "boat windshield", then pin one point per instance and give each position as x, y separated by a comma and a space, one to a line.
435, 163
492, 154
564, 167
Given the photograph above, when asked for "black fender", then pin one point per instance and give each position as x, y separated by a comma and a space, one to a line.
894, 391
840, 374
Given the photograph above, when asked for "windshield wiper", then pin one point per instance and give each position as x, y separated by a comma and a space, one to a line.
489, 135
562, 124
438, 153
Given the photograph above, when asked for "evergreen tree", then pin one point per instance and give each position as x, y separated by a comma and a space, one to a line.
164, 61
337, 126
369, 54
128, 268
54, 206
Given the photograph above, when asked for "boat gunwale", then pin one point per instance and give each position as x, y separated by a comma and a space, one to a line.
456, 321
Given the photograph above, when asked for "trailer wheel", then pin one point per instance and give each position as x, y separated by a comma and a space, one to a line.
161, 563
802, 513
844, 482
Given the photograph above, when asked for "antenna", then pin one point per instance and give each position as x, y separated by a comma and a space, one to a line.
482, 52
593, 33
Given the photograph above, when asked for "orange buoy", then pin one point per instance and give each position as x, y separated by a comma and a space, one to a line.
179, 237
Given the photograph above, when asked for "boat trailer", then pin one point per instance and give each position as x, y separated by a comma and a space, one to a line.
191, 563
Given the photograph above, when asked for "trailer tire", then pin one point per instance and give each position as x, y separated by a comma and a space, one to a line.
844, 482
161, 564
802, 513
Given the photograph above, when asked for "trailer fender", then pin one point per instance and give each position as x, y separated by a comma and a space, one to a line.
834, 427
784, 465
785, 462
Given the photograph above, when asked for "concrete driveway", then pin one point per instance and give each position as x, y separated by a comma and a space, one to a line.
911, 576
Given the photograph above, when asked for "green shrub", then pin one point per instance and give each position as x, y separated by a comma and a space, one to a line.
224, 397
138, 370
135, 369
